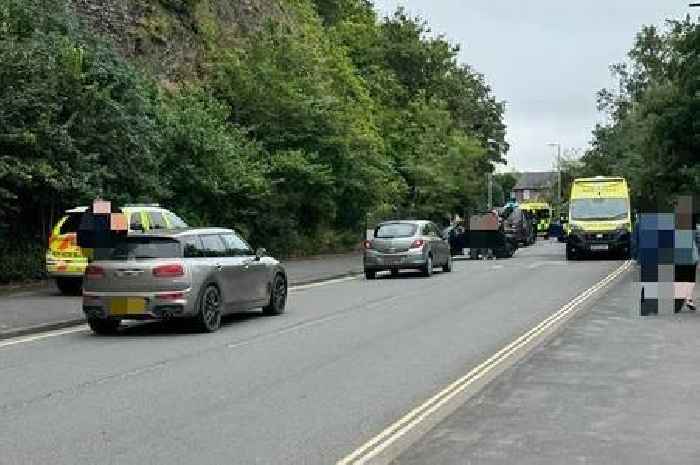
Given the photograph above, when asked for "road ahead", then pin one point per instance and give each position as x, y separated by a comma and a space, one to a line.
305, 388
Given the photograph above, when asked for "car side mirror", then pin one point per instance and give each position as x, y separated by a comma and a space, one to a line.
260, 253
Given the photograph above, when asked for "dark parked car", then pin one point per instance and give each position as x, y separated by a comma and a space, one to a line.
517, 225
456, 237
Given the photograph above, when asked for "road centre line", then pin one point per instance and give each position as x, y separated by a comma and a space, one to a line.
369, 451
306, 324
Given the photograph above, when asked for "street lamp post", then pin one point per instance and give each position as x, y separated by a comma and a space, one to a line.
495, 145
558, 146
489, 180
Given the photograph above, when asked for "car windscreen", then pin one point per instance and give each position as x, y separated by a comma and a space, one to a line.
599, 209
71, 224
391, 230
143, 248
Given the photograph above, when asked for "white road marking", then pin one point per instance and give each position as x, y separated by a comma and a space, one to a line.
322, 283
40, 336
375, 446
77, 329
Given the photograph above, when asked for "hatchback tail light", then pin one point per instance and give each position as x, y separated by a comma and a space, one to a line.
417, 244
367, 244
94, 272
172, 296
173, 270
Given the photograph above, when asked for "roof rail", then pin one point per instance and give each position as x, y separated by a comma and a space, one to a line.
142, 205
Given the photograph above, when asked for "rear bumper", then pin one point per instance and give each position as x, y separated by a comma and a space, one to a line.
597, 242
57, 268
376, 261
138, 305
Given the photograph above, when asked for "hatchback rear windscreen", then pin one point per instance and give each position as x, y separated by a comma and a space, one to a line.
143, 248
391, 230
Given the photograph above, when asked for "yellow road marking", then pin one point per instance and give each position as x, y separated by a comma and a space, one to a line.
371, 449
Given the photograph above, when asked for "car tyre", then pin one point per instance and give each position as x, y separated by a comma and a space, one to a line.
208, 318
104, 326
70, 286
427, 270
447, 267
571, 254
370, 274
278, 297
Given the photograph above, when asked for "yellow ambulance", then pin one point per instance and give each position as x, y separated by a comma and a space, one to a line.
66, 262
599, 217
542, 212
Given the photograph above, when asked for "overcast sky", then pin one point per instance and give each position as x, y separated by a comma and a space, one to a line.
545, 58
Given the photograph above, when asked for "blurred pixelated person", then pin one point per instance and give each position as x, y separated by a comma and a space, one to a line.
685, 253
667, 252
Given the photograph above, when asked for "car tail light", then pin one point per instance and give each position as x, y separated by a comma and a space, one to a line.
367, 244
94, 272
172, 296
169, 271
417, 244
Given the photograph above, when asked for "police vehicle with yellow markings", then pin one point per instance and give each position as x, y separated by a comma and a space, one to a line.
66, 261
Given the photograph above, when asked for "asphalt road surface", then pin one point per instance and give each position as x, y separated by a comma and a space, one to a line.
307, 387
43, 304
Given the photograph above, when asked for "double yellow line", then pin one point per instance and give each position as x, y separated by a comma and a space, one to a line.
374, 451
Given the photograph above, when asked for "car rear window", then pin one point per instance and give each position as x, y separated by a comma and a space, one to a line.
72, 224
390, 230
143, 248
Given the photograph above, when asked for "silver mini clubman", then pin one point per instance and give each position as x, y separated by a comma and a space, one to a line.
200, 274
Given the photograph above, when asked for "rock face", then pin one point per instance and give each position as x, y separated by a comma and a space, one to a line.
169, 38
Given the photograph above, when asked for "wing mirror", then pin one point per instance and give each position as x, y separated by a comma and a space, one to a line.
260, 253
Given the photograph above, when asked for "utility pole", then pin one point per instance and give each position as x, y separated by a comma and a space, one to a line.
559, 174
558, 146
489, 179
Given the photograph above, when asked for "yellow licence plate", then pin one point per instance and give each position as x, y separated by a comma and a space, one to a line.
127, 306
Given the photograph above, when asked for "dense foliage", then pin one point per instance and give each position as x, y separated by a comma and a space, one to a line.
653, 136
310, 128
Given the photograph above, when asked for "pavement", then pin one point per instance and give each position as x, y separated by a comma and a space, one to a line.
42, 307
307, 387
611, 388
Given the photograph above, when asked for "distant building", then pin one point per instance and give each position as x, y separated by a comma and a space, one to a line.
534, 186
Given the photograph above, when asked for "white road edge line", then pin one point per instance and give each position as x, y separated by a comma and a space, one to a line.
62, 332
322, 283
40, 336
372, 448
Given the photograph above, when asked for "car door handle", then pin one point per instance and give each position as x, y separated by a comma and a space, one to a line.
219, 266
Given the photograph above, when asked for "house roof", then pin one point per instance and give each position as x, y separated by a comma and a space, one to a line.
535, 180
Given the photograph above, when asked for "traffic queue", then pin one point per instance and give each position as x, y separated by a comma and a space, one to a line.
143, 262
